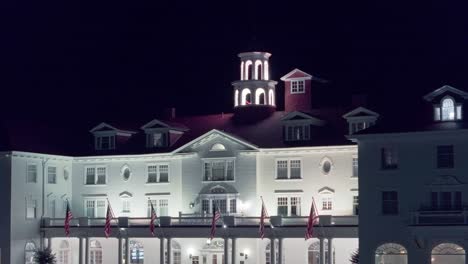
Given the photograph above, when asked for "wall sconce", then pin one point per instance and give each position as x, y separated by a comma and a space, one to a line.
191, 205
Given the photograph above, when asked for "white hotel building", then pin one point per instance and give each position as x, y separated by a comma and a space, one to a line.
184, 165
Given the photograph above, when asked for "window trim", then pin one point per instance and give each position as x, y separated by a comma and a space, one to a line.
95, 199
225, 159
382, 201
56, 174
297, 81
27, 171
289, 169
438, 110
354, 157
98, 141
158, 173
289, 197
220, 196
31, 199
157, 206
390, 167
438, 165
95, 175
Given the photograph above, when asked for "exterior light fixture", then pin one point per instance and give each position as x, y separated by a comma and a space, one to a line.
191, 205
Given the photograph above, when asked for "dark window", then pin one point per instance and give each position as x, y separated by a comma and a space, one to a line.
457, 203
389, 203
445, 156
389, 158
434, 200
445, 200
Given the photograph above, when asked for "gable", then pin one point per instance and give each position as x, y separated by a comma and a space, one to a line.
296, 74
214, 136
361, 112
300, 116
445, 90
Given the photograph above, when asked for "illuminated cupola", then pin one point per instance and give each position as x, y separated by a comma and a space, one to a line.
254, 90
447, 103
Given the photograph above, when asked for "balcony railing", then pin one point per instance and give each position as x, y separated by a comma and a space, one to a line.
438, 217
189, 221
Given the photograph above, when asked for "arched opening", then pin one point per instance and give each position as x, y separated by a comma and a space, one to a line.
95, 252
29, 250
448, 109
137, 252
64, 253
391, 253
448, 253
218, 147
176, 252
236, 98
271, 97
265, 71
258, 69
246, 97
242, 70
313, 252
248, 70
260, 96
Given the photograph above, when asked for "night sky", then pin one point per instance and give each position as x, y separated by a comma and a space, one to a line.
96, 61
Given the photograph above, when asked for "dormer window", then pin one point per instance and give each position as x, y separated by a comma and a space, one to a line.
448, 110
105, 142
298, 132
156, 139
297, 86
359, 119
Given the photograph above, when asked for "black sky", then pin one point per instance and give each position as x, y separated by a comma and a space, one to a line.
94, 60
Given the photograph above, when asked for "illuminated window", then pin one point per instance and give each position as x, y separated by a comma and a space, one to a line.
391, 253
95, 208
31, 208
297, 86
258, 70
260, 96
95, 176
218, 147
29, 251
327, 203
218, 170
137, 252
288, 169
32, 173
448, 109
246, 97
236, 98
271, 97
95, 252
64, 253
158, 173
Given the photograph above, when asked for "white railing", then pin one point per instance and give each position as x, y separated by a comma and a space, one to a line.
187, 221
458, 217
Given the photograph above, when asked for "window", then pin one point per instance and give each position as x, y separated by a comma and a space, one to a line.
448, 109
218, 170
326, 167
297, 86
64, 253
32, 173
356, 205
31, 208
233, 205
355, 167
297, 132
227, 204
52, 175
161, 206
126, 173
158, 173
288, 169
391, 253
327, 203
95, 208
289, 206
126, 205
95, 252
95, 175
445, 156
157, 139
29, 250
105, 142
137, 252
218, 147
446, 200
389, 157
389, 203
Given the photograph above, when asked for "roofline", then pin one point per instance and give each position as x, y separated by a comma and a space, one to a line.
358, 109
440, 90
286, 76
102, 124
355, 138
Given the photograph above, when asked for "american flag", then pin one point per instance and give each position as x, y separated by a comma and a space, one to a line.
215, 218
109, 217
263, 215
68, 218
313, 219
153, 218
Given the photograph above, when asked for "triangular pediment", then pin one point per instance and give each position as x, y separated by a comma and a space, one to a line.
296, 74
125, 194
444, 180
446, 89
214, 136
360, 112
158, 124
105, 127
301, 116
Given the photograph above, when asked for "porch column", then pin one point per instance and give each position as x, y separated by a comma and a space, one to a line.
226, 251
49, 243
127, 250
86, 250
280, 250
80, 253
234, 253
322, 251
272, 251
330, 250
161, 250
169, 250
120, 250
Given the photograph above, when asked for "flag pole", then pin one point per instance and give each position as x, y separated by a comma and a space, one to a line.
159, 220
